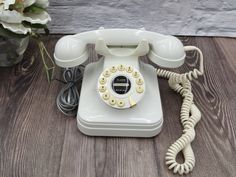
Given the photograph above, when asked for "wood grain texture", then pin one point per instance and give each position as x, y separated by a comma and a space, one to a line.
37, 140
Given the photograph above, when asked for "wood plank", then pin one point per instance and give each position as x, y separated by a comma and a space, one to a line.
89, 156
31, 128
221, 79
215, 137
227, 47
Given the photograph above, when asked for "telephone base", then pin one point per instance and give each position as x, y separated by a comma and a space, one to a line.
122, 131
96, 118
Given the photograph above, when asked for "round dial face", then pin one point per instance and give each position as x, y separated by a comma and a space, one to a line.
121, 86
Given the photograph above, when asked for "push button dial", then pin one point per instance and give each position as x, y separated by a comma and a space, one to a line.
121, 86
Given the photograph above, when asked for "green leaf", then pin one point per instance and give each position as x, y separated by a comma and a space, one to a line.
30, 25
36, 26
34, 9
18, 5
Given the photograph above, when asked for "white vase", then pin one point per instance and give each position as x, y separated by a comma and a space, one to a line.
12, 50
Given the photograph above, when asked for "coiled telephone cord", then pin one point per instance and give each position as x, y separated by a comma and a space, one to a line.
189, 116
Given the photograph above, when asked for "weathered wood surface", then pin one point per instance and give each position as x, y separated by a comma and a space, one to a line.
36, 140
186, 17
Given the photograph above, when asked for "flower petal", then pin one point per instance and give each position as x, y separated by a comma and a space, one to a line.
41, 18
7, 3
28, 3
16, 28
15, 17
11, 16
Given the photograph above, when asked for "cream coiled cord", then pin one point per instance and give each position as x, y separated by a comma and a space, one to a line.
189, 116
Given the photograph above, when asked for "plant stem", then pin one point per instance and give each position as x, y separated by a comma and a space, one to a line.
48, 62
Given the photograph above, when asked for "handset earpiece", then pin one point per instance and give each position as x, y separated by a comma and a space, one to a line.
141, 49
70, 52
168, 52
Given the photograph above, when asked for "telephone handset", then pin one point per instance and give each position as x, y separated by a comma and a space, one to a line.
120, 95
121, 85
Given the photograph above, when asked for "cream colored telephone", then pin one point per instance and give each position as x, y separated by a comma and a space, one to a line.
120, 94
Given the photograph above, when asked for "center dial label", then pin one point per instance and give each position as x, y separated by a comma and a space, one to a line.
121, 85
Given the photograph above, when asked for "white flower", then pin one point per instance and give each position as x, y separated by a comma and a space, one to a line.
12, 19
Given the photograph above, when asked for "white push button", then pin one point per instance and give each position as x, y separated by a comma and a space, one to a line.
129, 69
106, 96
139, 81
139, 89
102, 88
120, 103
121, 67
106, 73
112, 101
135, 74
102, 80
113, 69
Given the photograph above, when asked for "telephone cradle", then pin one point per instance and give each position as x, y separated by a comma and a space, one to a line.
120, 94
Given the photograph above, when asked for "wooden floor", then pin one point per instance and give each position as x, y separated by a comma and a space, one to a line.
36, 140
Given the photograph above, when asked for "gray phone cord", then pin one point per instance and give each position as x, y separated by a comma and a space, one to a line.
68, 97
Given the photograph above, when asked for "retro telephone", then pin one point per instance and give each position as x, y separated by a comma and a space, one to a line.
120, 94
